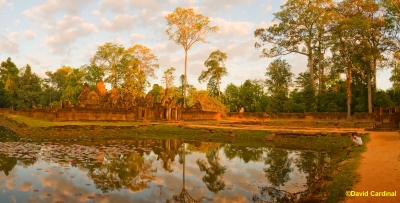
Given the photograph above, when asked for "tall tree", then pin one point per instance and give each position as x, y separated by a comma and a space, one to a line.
111, 58
73, 85
168, 77
93, 74
278, 82
232, 98
300, 24
185, 27
8, 78
352, 47
156, 92
216, 68
29, 89
141, 64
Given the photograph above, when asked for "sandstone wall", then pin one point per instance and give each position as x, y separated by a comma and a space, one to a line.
200, 115
5, 110
300, 116
83, 114
136, 113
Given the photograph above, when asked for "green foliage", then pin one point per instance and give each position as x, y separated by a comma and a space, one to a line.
168, 77
112, 59
212, 87
9, 76
231, 98
278, 83
156, 92
54, 103
216, 69
250, 96
73, 85
382, 99
93, 74
29, 90
140, 65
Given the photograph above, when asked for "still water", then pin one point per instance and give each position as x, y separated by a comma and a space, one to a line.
154, 171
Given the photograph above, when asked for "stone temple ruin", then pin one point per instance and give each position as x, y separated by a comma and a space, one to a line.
100, 105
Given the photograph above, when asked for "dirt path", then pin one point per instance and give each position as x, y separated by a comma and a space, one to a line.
380, 168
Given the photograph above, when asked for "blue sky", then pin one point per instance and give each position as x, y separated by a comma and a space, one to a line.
48, 34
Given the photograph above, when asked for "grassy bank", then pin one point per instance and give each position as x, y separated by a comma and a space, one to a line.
339, 177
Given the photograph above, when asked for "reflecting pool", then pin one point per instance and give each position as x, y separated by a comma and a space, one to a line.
150, 170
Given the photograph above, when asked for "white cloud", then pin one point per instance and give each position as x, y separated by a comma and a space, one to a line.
118, 41
16, 22
136, 38
51, 7
223, 5
266, 9
119, 23
2, 3
29, 34
9, 44
228, 29
96, 13
264, 24
116, 6
148, 4
32, 59
65, 32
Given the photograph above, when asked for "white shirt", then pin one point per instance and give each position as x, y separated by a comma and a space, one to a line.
357, 140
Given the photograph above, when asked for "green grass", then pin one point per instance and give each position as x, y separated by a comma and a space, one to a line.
346, 176
41, 122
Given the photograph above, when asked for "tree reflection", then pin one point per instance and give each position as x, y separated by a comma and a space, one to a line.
7, 163
278, 169
311, 164
133, 172
184, 196
245, 153
167, 152
214, 171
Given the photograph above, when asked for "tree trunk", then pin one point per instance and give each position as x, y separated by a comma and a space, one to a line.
374, 74
348, 87
219, 88
369, 91
184, 84
311, 64
321, 72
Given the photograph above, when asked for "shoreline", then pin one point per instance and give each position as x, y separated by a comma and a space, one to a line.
345, 159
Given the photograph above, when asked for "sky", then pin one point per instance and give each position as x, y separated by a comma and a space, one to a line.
49, 34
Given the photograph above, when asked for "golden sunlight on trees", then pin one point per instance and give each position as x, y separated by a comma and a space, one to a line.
168, 77
141, 64
185, 27
216, 69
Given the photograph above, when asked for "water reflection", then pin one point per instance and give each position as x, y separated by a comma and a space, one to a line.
277, 167
213, 169
7, 164
156, 171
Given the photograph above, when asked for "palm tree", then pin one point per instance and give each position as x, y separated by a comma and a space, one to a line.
216, 68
